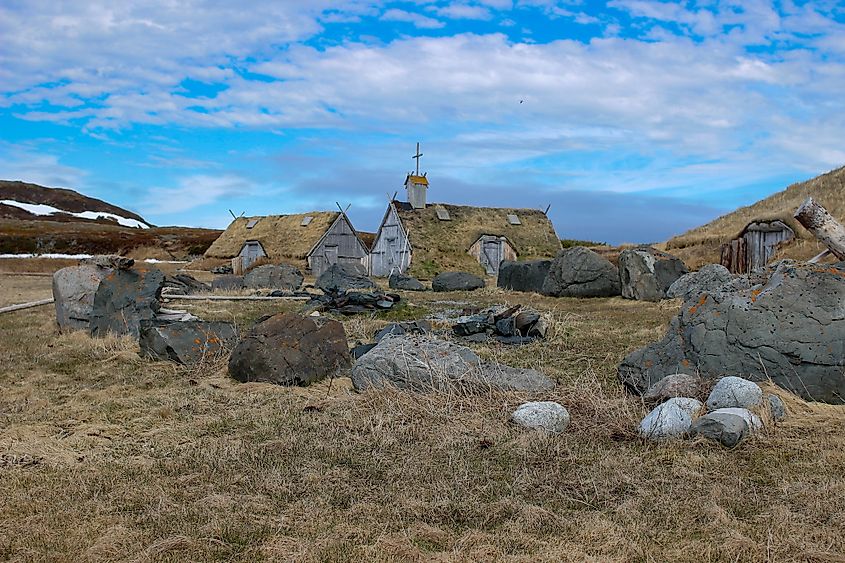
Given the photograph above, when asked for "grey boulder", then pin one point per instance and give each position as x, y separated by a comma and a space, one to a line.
456, 281
419, 363
675, 385
73, 291
274, 276
290, 349
339, 278
646, 273
580, 272
671, 419
124, 299
407, 283
186, 342
726, 426
542, 415
790, 328
734, 392
706, 280
523, 276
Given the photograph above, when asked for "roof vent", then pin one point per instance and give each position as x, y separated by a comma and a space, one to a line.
252, 223
514, 220
442, 213
306, 221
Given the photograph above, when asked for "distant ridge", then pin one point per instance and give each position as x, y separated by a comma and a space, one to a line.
701, 245
61, 199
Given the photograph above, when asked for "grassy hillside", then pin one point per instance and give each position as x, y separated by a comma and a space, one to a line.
701, 245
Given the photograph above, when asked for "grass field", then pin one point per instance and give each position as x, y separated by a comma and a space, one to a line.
106, 456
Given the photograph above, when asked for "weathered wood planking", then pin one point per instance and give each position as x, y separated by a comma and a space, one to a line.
340, 245
391, 250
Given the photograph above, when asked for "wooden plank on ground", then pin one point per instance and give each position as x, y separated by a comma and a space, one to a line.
22, 306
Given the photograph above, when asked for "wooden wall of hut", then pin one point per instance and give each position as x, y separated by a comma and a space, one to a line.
755, 247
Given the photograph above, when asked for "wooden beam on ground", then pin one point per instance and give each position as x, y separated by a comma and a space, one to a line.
235, 298
819, 256
816, 219
21, 306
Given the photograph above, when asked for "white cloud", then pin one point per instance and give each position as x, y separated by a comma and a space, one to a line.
464, 12
195, 191
418, 20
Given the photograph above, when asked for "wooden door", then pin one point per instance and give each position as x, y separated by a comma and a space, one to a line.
491, 254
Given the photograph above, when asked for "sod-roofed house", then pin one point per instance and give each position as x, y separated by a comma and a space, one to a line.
311, 241
423, 238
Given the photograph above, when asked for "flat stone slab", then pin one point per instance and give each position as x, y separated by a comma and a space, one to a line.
186, 342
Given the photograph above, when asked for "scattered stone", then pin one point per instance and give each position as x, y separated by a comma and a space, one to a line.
504, 325
400, 281
675, 385
289, 349
646, 273
274, 276
580, 272
227, 283
184, 284
456, 281
671, 419
706, 280
777, 408
339, 278
542, 415
352, 302
789, 328
407, 327
725, 428
73, 291
734, 392
523, 276
124, 299
186, 342
419, 363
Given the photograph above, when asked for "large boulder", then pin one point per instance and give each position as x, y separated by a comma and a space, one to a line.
708, 279
290, 349
646, 273
186, 342
399, 280
790, 328
523, 276
125, 299
339, 278
419, 363
73, 291
274, 276
580, 272
456, 281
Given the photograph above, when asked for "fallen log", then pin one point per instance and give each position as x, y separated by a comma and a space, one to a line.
816, 219
21, 306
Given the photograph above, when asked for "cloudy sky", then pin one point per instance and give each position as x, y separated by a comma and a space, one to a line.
634, 119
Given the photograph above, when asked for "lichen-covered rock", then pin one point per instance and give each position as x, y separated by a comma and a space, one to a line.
542, 415
125, 299
734, 392
186, 342
790, 328
708, 279
456, 281
523, 276
289, 349
419, 363
646, 273
671, 419
581, 272
274, 276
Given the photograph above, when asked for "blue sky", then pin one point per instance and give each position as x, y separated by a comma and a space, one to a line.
634, 119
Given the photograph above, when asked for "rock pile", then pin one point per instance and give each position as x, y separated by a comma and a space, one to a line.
420, 363
785, 324
507, 325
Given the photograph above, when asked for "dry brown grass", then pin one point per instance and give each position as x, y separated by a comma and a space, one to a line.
105, 456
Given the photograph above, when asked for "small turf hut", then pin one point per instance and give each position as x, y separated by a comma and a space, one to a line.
423, 238
755, 246
311, 241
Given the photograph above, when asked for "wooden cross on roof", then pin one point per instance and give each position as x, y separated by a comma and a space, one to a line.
417, 157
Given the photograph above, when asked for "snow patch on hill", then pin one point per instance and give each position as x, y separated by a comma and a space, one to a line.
41, 209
